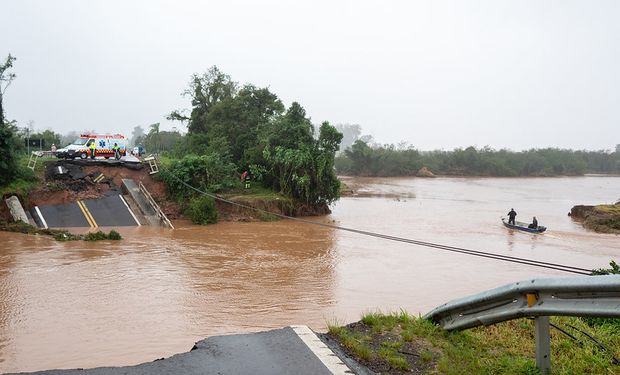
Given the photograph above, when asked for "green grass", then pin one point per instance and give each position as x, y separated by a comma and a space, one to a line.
26, 180
613, 209
355, 342
21, 187
505, 348
257, 191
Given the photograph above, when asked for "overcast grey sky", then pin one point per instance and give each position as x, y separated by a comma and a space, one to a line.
436, 74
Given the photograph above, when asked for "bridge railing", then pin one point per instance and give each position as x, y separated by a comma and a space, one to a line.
589, 296
158, 211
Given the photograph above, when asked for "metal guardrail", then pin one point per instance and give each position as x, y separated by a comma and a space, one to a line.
591, 296
155, 206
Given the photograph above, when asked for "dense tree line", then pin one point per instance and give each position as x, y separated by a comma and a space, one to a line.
233, 128
363, 159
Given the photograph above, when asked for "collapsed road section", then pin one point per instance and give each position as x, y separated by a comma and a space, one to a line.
94, 193
109, 211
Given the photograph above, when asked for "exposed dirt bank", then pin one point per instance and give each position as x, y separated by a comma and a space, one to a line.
603, 218
281, 206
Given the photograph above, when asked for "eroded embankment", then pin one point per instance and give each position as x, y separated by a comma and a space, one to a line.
67, 181
604, 218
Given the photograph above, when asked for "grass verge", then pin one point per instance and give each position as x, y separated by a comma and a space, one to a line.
399, 343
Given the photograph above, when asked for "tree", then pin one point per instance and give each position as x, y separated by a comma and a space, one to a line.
48, 137
137, 135
8, 147
237, 120
350, 134
152, 138
292, 130
68, 138
162, 141
5, 81
206, 90
297, 164
8, 144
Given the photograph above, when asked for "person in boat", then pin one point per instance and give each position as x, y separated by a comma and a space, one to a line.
534, 224
511, 216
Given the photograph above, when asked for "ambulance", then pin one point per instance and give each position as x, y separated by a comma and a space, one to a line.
104, 143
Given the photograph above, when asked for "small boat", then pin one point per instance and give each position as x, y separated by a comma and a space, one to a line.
523, 226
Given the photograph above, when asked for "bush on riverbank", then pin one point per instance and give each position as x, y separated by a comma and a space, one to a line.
202, 210
401, 343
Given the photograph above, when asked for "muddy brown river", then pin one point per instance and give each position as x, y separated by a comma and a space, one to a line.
151, 295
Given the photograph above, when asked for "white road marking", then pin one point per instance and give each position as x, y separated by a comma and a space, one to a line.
36, 208
129, 209
325, 354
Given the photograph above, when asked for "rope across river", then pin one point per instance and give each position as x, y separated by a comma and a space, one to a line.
455, 249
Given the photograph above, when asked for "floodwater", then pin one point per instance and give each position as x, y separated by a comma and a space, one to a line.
153, 294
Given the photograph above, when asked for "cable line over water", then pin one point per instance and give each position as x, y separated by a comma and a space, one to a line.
483, 254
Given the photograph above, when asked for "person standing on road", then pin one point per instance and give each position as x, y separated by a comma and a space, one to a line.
117, 151
53, 149
511, 216
93, 149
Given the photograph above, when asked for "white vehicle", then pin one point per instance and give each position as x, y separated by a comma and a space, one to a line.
104, 146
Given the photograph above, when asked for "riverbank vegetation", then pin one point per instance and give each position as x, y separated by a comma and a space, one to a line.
364, 159
232, 130
58, 235
400, 343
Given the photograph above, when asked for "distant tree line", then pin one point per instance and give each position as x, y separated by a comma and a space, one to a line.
362, 159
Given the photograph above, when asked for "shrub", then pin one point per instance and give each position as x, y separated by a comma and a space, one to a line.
211, 172
99, 236
614, 270
114, 235
202, 210
95, 236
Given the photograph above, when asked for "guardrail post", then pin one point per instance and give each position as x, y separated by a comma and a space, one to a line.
543, 344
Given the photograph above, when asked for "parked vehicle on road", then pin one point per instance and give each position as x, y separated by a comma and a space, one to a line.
138, 151
104, 146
